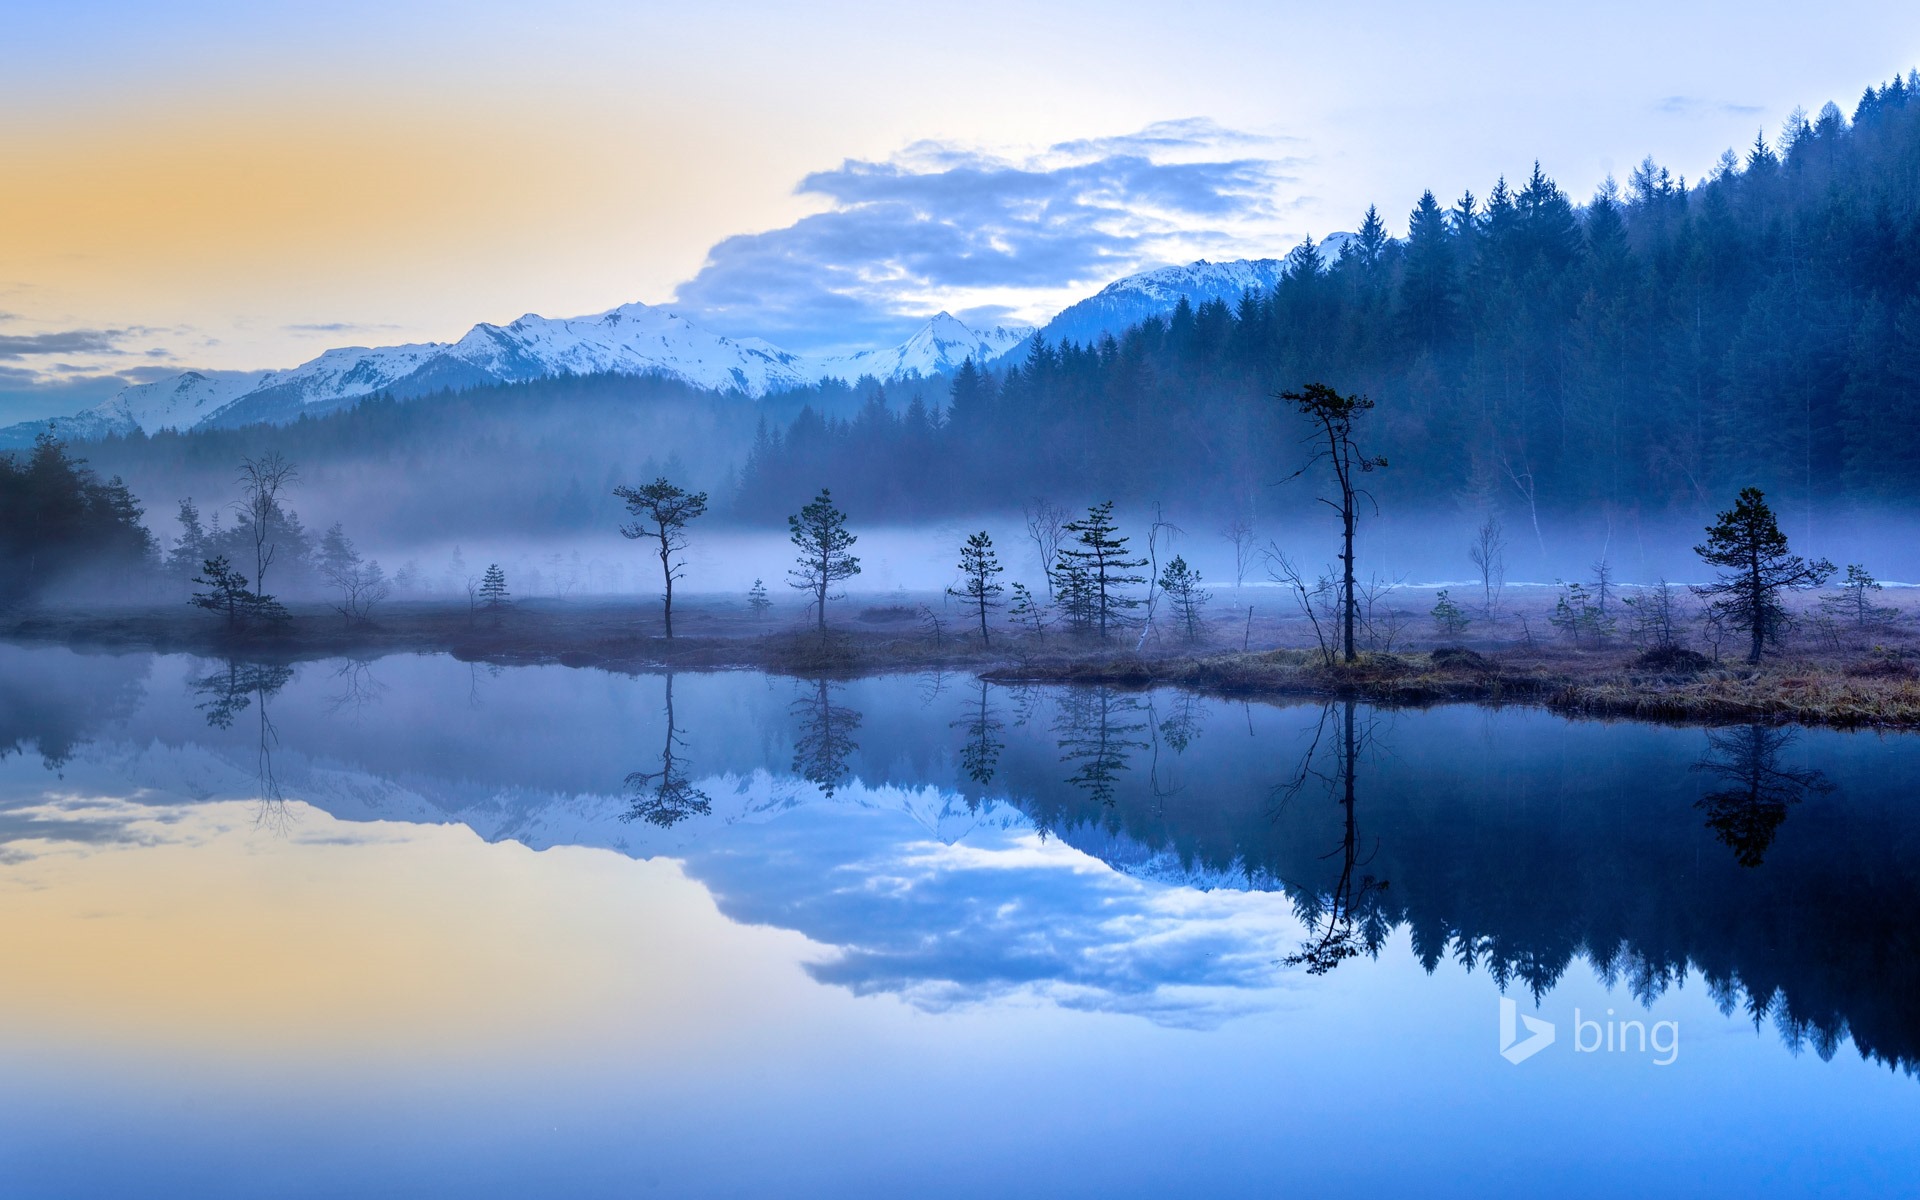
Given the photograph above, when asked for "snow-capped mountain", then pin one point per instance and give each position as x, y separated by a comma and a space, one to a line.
634, 339
1129, 301
940, 346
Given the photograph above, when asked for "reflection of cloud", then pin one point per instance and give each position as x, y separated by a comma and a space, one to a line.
939, 221
77, 820
1001, 914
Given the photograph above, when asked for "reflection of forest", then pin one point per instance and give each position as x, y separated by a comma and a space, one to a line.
1517, 863
1514, 842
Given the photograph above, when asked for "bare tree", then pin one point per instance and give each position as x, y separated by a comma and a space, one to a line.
1047, 526
1603, 586
261, 481
361, 584
1382, 625
1335, 416
1522, 479
1161, 528
1318, 603
1239, 532
1657, 617
1489, 555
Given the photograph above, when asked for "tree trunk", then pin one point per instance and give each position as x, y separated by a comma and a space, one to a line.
666, 570
1347, 559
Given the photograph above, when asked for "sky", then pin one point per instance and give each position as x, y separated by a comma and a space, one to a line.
239, 186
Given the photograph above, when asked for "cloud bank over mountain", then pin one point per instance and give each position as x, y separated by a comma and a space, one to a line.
987, 235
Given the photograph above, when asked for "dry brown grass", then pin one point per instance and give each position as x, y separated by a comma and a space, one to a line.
1827, 684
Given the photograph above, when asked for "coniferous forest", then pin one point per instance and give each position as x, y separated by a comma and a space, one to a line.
1650, 350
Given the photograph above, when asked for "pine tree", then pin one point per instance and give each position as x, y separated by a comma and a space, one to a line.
493, 588
1181, 583
978, 567
1854, 600
1100, 553
757, 601
819, 532
1747, 542
189, 552
226, 594
1449, 616
1027, 613
661, 511
1073, 595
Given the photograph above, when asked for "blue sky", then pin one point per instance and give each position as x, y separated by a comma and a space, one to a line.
240, 186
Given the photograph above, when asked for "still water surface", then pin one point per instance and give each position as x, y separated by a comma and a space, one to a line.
418, 927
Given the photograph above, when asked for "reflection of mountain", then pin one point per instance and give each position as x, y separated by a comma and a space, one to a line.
1513, 840
54, 700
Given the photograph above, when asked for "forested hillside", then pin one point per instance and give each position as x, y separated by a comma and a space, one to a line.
1650, 351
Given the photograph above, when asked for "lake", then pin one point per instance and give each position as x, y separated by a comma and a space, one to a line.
415, 926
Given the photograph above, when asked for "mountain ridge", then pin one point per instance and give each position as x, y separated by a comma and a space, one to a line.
632, 339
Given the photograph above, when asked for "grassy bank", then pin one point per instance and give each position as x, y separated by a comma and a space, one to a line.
1837, 685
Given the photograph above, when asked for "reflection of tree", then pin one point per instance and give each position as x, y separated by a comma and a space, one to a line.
358, 688
981, 752
1095, 727
226, 694
1748, 812
1182, 724
667, 796
824, 740
1176, 731
1346, 918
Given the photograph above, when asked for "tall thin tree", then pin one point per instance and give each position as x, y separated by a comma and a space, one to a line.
1100, 552
1334, 417
261, 481
978, 567
661, 511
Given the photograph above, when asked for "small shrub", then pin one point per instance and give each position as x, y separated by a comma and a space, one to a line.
1459, 658
1672, 660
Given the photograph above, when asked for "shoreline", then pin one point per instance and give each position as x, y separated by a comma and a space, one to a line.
1858, 691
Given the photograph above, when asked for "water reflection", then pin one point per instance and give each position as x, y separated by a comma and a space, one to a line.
667, 796
1098, 731
1099, 848
1746, 813
226, 693
823, 741
980, 752
1344, 919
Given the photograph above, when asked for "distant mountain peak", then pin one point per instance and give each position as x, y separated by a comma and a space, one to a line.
633, 339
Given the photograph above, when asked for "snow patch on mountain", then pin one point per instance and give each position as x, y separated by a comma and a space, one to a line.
1129, 301
939, 347
633, 339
